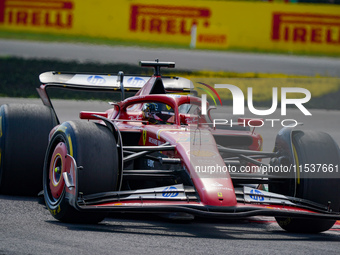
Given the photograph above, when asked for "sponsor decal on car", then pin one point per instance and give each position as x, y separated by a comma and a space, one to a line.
136, 82
261, 196
144, 136
170, 192
150, 163
258, 196
166, 192
155, 141
217, 184
96, 80
173, 96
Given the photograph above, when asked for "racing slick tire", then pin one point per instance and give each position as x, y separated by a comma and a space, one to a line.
94, 148
24, 130
312, 148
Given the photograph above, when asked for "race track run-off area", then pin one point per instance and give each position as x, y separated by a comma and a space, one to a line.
184, 59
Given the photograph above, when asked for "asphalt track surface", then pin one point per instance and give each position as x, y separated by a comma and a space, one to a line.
185, 59
26, 227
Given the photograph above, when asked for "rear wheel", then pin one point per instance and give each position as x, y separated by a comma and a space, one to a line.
24, 130
310, 149
94, 148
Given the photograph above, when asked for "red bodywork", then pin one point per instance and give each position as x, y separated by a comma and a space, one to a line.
181, 134
195, 143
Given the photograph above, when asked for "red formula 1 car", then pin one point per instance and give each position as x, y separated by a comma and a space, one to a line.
156, 152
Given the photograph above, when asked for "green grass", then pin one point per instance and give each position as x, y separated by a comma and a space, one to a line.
116, 42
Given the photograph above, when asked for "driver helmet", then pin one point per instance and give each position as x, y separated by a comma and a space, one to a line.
157, 112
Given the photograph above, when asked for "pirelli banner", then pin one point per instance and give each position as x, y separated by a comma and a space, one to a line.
204, 24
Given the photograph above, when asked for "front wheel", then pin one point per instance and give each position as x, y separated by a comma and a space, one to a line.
94, 149
312, 149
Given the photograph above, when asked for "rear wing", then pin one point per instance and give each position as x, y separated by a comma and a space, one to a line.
110, 82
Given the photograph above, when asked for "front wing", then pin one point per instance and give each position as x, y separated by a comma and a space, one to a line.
179, 198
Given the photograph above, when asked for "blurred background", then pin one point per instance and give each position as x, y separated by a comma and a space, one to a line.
206, 38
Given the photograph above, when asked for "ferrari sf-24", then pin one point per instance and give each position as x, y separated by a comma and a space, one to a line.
155, 152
